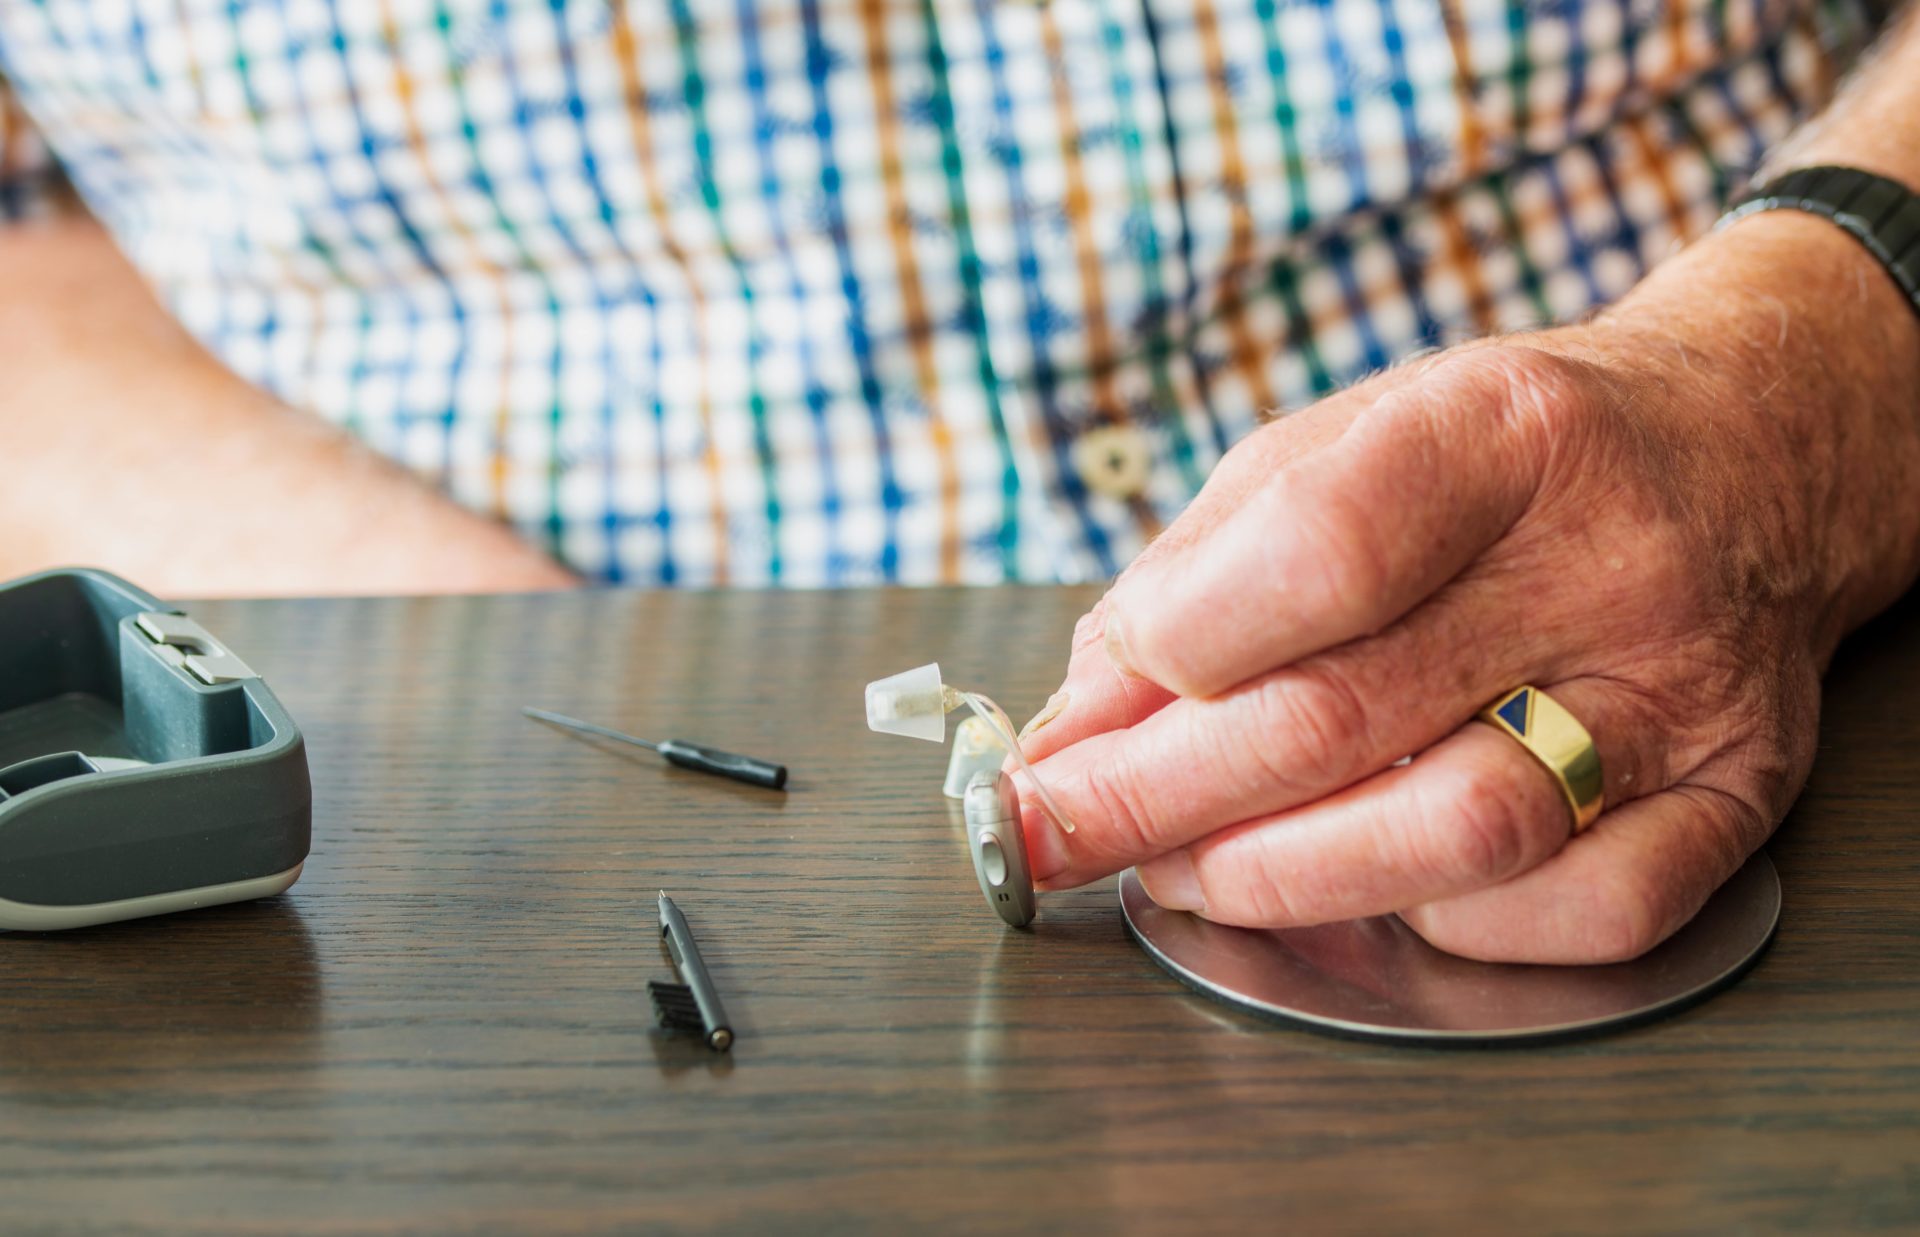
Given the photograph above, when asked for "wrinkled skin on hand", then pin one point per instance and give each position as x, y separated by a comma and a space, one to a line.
1615, 513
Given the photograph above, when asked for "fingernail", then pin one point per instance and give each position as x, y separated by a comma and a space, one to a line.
1117, 645
1047, 853
1171, 882
1054, 706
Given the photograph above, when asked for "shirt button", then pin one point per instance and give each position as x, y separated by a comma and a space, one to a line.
1114, 461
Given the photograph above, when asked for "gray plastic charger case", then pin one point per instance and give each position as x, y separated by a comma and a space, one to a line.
144, 768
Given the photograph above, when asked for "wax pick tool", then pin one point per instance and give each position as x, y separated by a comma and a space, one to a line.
915, 703
692, 1004
687, 755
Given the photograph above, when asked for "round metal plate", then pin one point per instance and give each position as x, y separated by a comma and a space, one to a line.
1376, 979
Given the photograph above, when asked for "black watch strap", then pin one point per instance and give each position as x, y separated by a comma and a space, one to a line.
1882, 214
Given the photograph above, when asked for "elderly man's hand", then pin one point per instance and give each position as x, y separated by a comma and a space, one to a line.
1665, 519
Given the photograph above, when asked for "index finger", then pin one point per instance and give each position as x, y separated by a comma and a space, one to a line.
1284, 739
1096, 696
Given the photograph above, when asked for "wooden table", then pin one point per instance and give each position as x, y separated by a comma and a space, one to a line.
443, 1026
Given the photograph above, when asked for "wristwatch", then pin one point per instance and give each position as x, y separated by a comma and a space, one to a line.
1882, 214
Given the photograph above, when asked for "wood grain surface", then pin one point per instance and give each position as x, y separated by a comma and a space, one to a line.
443, 1027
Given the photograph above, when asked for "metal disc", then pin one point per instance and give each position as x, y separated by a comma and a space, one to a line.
1376, 979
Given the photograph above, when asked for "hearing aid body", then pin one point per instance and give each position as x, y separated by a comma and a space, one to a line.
915, 703
976, 749
998, 846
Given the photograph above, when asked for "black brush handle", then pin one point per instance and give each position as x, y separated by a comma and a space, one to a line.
725, 764
693, 973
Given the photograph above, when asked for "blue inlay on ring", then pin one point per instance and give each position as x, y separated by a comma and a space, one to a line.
1514, 712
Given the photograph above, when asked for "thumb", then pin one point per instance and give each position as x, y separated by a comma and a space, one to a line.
1093, 699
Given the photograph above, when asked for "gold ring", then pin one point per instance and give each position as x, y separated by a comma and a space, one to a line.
1558, 741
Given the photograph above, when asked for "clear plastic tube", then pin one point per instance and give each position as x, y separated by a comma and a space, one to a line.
996, 717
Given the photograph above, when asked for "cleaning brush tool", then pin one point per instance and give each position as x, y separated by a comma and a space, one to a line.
692, 1004
674, 1006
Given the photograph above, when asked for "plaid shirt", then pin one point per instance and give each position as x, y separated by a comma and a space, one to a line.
843, 291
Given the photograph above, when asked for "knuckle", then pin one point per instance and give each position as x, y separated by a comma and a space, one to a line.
1629, 919
1127, 827
1494, 827
1446, 927
1537, 398
1635, 908
1543, 383
1254, 451
1351, 555
1149, 617
1257, 900
1091, 627
1243, 892
1310, 730
1153, 643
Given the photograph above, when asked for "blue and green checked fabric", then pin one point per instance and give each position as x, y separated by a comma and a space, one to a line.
827, 291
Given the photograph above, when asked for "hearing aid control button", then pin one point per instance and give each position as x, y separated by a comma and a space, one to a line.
993, 860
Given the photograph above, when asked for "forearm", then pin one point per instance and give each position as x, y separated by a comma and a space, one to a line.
1807, 353
128, 447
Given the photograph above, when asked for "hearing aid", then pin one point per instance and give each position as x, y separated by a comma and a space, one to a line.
998, 846
915, 703
976, 749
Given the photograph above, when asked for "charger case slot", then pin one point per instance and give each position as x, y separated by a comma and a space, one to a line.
18, 779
